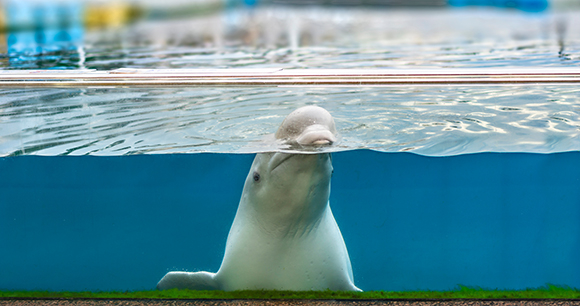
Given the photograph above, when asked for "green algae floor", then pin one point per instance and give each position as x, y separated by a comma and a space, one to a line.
463, 292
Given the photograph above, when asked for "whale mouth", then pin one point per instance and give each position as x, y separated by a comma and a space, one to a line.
321, 142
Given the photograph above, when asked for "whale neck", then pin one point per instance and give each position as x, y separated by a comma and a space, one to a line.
292, 195
296, 224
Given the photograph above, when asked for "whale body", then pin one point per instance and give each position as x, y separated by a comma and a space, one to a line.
284, 235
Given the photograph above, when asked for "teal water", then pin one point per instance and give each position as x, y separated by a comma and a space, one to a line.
495, 220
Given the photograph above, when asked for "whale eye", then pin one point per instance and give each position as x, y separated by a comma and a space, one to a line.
256, 177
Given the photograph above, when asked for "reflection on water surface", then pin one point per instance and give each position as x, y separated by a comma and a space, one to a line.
425, 120
309, 37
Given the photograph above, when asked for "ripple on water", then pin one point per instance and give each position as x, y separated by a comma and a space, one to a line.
307, 37
426, 120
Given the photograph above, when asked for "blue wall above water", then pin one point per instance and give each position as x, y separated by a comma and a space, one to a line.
409, 222
524, 5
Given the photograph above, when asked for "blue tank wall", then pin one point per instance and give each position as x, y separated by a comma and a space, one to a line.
489, 220
409, 222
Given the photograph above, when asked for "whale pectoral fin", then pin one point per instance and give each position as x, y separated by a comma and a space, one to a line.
188, 280
355, 288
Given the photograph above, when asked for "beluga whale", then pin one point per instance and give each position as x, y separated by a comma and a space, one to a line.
284, 235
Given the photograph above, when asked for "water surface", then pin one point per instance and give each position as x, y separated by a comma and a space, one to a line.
311, 37
436, 121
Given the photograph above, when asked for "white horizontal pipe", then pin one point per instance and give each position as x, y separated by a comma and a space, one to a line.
286, 77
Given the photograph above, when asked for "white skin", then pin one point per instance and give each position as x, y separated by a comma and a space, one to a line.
284, 236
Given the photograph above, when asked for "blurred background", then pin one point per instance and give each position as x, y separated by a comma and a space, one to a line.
107, 34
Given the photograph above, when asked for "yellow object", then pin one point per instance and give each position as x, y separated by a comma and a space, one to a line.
2, 19
109, 14
3, 47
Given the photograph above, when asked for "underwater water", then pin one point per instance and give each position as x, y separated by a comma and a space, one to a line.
495, 220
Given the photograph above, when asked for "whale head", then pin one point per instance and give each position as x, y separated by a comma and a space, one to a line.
308, 126
290, 191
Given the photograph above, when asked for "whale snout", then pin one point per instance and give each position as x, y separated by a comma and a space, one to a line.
317, 135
